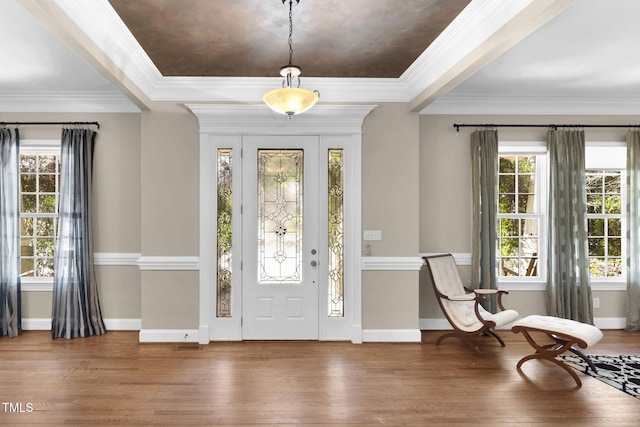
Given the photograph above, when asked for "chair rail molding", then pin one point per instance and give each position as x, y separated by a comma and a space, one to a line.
392, 263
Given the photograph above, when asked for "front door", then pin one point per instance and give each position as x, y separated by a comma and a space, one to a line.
280, 237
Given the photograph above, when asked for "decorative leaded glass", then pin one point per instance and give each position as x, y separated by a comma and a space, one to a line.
225, 205
336, 233
280, 190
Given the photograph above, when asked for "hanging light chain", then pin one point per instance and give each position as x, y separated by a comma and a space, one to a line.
290, 99
290, 32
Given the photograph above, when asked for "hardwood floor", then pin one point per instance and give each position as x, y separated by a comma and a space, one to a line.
115, 380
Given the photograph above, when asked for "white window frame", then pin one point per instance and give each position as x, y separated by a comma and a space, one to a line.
539, 149
38, 146
599, 156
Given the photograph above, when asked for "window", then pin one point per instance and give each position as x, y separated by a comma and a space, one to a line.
225, 232
39, 181
521, 214
606, 187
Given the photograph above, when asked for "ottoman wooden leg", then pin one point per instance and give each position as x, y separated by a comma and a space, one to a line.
549, 352
566, 335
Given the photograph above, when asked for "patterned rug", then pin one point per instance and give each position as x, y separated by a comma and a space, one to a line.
621, 372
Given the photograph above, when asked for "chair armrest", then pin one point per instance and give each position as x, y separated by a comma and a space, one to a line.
498, 292
466, 297
485, 291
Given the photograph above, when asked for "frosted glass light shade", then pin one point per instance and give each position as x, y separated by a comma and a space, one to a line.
290, 101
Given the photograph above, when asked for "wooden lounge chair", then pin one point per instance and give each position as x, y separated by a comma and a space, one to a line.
461, 306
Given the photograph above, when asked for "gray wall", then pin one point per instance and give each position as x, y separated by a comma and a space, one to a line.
116, 201
445, 196
390, 186
416, 189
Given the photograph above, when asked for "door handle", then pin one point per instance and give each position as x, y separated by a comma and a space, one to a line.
314, 263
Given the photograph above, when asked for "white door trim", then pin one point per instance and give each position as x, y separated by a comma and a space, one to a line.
222, 126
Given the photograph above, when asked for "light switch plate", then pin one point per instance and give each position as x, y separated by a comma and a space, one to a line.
372, 234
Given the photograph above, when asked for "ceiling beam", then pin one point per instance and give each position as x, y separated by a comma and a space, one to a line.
54, 18
483, 31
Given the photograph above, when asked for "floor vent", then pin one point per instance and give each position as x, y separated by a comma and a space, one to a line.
186, 347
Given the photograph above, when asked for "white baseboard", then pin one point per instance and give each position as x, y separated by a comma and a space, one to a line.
123, 324
391, 335
600, 322
44, 324
610, 322
36, 324
168, 335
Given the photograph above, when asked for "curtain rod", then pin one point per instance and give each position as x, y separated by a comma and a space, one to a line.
550, 126
50, 123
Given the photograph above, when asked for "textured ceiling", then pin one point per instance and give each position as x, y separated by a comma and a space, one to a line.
248, 38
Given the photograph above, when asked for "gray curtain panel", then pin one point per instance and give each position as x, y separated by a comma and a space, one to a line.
10, 316
633, 230
568, 288
76, 307
484, 173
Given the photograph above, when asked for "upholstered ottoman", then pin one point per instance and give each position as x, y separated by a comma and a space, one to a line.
566, 335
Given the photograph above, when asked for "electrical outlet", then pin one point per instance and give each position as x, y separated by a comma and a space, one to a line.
596, 303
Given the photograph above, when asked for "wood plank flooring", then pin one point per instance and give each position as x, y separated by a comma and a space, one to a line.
115, 380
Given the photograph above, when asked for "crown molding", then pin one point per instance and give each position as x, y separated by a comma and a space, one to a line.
252, 89
65, 102
532, 105
257, 119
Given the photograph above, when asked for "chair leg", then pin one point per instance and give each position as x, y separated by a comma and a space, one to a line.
442, 337
496, 336
462, 337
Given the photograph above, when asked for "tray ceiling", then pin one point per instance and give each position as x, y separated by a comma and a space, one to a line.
331, 38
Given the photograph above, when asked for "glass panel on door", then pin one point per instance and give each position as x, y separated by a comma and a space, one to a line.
280, 207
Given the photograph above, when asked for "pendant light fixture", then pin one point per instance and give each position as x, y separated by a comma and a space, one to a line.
290, 99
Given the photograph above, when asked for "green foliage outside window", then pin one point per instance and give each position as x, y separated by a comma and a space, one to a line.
517, 233
604, 217
38, 213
